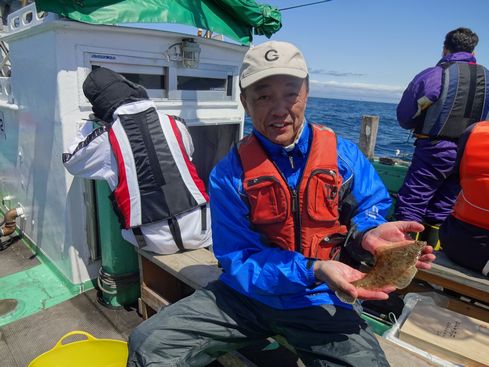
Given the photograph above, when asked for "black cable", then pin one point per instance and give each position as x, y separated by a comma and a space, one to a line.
303, 5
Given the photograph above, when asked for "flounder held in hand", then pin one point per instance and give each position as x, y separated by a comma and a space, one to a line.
394, 266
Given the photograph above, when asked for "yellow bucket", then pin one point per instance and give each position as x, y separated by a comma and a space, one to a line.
92, 352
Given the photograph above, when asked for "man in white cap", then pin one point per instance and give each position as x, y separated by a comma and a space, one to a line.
283, 203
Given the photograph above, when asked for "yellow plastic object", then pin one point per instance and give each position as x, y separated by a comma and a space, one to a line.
430, 235
92, 352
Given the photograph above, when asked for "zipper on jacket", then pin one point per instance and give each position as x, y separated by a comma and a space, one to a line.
297, 220
295, 198
257, 180
291, 160
296, 212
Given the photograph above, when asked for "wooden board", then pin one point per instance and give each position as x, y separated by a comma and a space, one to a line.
451, 276
447, 334
195, 268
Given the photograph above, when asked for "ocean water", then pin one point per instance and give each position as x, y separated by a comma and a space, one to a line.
345, 117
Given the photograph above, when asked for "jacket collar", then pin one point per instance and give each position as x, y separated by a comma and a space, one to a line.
301, 146
458, 56
133, 107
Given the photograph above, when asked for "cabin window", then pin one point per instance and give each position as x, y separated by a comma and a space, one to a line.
154, 81
148, 81
150, 72
207, 83
167, 81
198, 83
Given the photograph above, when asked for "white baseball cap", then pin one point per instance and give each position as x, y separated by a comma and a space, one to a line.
271, 58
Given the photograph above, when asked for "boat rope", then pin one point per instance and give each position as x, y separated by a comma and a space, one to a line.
303, 5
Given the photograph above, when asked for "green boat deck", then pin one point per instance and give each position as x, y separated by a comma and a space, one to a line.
31, 281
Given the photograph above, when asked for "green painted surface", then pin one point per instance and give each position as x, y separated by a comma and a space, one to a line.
34, 289
75, 288
118, 255
393, 177
377, 326
44, 286
37, 288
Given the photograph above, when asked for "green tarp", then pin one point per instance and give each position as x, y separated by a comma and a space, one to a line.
236, 19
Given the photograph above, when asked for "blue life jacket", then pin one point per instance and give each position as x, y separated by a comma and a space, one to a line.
464, 100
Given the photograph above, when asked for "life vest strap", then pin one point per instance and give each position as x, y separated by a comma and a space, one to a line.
203, 217
138, 234
176, 233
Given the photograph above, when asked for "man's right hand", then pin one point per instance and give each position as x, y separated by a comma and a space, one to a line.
339, 277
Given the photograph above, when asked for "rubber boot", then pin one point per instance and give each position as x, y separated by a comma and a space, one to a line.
430, 235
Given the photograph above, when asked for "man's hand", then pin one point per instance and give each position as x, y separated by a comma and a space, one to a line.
391, 232
338, 277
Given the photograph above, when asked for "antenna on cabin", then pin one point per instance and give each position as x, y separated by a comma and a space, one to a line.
301, 6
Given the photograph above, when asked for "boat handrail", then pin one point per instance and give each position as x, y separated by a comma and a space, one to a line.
26, 17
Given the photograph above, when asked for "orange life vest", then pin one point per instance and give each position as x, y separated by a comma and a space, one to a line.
304, 219
472, 205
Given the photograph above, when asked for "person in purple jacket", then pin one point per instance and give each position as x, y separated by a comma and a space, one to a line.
439, 104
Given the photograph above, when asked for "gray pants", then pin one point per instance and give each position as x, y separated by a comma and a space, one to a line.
216, 320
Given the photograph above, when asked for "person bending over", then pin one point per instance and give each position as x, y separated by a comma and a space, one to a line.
145, 157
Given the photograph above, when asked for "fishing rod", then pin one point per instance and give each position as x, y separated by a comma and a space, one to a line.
301, 6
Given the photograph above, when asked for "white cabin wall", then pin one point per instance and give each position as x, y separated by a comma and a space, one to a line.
79, 210
43, 186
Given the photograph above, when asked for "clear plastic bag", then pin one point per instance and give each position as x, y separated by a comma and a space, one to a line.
410, 300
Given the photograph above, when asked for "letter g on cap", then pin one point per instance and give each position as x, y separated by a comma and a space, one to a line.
271, 55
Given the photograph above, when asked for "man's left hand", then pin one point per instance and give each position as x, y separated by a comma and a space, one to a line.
391, 232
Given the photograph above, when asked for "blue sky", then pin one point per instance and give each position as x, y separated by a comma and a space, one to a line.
371, 49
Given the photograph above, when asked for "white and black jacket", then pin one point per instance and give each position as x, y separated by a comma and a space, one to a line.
146, 160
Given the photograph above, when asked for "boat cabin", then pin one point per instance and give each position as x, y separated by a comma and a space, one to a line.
42, 105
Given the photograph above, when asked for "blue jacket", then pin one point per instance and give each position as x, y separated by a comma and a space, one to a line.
278, 278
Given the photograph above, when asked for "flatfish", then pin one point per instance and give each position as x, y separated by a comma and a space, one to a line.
394, 266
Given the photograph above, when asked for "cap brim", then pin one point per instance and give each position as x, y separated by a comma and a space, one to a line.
251, 79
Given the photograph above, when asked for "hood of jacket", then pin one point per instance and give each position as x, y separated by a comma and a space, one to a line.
107, 90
